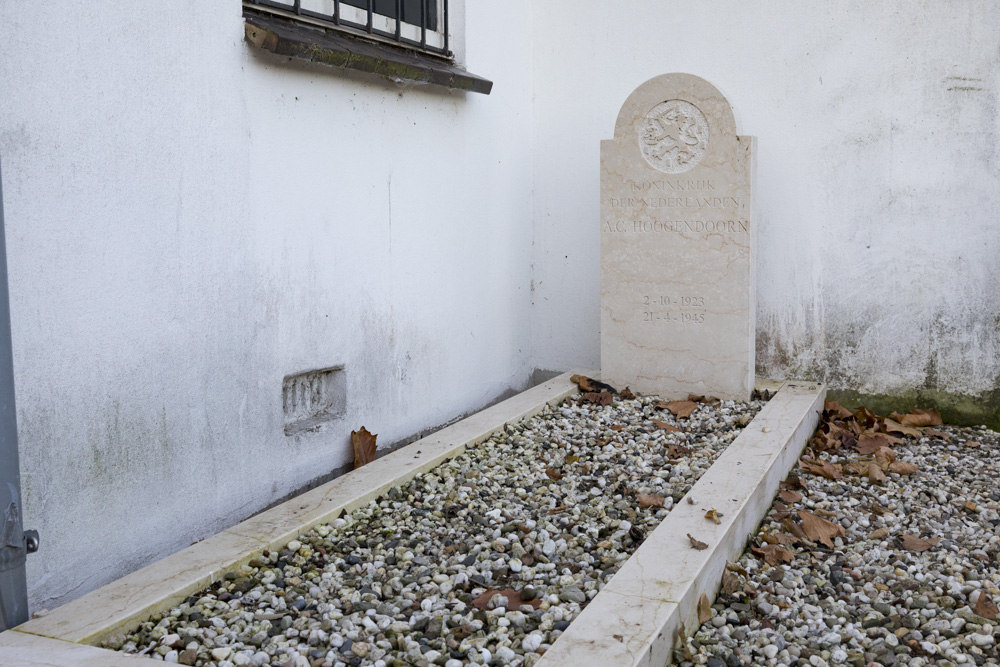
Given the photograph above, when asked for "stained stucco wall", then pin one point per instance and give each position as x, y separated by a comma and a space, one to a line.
878, 192
188, 222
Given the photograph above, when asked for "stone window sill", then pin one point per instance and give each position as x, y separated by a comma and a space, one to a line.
335, 49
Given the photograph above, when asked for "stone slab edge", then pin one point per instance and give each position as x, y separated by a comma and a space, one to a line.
652, 601
114, 608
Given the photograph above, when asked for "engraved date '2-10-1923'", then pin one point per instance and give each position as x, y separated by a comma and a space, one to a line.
684, 317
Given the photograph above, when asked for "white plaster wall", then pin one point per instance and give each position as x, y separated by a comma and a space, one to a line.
188, 222
878, 192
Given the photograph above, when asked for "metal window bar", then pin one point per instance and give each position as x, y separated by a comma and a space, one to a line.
337, 20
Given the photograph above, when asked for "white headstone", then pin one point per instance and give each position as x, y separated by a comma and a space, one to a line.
677, 278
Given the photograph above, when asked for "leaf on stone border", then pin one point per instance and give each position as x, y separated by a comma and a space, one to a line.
902, 468
704, 609
589, 385
697, 544
914, 543
790, 496
363, 443
681, 409
649, 500
666, 426
821, 468
819, 529
985, 607
713, 515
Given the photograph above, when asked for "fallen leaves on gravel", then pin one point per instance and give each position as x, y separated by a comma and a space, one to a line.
514, 600
985, 607
875, 475
681, 409
363, 443
697, 544
598, 398
774, 554
918, 417
649, 500
790, 496
902, 468
869, 443
730, 583
552, 473
914, 543
819, 529
677, 451
669, 428
821, 468
627, 394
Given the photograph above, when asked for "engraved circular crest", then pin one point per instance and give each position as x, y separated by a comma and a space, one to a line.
674, 136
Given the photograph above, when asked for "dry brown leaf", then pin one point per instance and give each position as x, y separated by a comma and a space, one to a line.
937, 434
878, 534
627, 394
552, 473
921, 417
711, 400
572, 459
969, 506
601, 398
587, 384
649, 500
677, 451
681, 409
884, 458
902, 468
669, 428
893, 426
819, 529
364, 446
875, 474
697, 544
821, 468
777, 538
730, 583
618, 427
790, 496
774, 554
712, 515
985, 607
514, 600
793, 528
792, 482
736, 567
869, 443
704, 609
972, 443
914, 543
835, 409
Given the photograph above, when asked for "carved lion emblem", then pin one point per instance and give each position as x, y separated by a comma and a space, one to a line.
674, 136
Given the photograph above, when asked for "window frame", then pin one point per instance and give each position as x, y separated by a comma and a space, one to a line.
375, 27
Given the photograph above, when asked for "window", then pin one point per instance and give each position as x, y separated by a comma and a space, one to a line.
416, 24
401, 40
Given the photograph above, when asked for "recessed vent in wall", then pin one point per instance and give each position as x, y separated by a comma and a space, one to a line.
313, 398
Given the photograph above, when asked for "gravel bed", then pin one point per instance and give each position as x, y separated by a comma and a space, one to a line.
871, 596
485, 560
